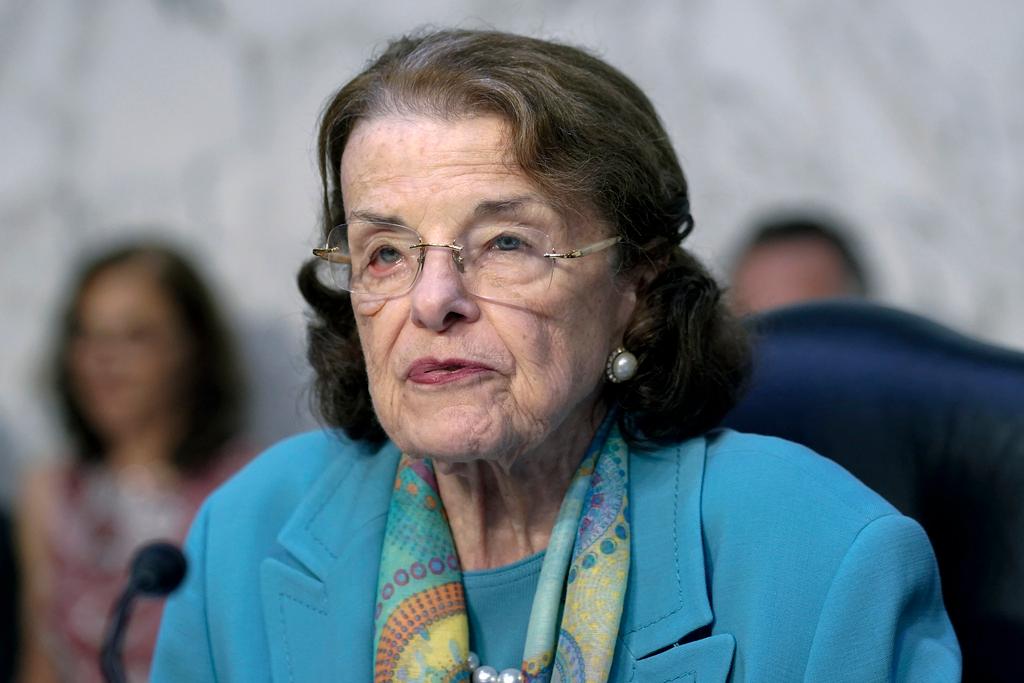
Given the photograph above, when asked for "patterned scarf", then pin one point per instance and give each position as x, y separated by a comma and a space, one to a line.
421, 632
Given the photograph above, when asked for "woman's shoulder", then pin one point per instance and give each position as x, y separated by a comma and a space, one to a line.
772, 471
285, 473
781, 495
760, 487
799, 559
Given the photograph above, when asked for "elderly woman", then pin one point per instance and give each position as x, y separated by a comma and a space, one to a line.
521, 366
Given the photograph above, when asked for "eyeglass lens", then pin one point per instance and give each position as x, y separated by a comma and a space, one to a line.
496, 262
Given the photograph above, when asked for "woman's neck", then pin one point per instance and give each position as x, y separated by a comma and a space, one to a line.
500, 513
148, 446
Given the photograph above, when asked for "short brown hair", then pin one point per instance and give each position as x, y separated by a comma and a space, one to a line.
588, 137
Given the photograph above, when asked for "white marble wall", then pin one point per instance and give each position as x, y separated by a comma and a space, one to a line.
905, 117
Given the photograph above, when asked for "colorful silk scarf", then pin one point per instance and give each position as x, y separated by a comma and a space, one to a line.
421, 632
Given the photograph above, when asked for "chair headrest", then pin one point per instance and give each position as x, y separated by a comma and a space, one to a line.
871, 351
882, 391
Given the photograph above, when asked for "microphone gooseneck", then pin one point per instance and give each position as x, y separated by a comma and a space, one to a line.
156, 570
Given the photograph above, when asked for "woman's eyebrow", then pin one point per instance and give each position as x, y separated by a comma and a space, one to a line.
370, 217
510, 206
490, 208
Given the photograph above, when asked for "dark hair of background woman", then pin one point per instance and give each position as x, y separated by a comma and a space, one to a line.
214, 391
590, 139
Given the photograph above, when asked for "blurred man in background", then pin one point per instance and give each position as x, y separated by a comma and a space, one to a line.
795, 257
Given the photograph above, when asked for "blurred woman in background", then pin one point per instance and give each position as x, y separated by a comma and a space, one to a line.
150, 393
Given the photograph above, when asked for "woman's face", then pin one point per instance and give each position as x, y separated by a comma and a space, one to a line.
129, 352
452, 376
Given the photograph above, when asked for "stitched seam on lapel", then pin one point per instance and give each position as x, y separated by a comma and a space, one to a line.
284, 632
304, 604
632, 668
320, 508
284, 627
681, 676
308, 526
675, 549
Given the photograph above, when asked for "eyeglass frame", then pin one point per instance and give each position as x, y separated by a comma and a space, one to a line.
328, 253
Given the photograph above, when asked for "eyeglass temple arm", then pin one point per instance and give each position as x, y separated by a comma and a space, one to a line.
587, 250
332, 254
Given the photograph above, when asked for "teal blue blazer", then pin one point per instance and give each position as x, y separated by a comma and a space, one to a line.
753, 559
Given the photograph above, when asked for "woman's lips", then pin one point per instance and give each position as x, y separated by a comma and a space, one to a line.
434, 371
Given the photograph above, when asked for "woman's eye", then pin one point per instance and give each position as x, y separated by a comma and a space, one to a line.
387, 256
508, 243
390, 255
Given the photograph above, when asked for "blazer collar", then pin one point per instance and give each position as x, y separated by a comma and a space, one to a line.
667, 594
665, 486
322, 629
328, 519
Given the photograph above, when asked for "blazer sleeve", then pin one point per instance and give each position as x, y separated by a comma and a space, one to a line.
883, 617
183, 648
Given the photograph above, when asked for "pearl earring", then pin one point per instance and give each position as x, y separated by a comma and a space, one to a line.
621, 365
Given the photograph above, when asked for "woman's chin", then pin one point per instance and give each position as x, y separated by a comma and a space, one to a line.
456, 449
454, 435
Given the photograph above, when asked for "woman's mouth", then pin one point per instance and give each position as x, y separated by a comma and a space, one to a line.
434, 371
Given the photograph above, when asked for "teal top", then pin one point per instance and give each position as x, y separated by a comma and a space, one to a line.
498, 602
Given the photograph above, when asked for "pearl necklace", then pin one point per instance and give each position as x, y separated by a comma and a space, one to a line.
488, 674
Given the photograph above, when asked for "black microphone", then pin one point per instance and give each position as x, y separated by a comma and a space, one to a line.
157, 569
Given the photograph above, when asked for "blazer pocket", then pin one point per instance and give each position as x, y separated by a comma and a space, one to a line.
708, 660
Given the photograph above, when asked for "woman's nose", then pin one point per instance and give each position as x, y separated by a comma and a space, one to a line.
439, 298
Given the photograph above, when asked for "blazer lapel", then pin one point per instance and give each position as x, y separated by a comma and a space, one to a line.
667, 603
321, 628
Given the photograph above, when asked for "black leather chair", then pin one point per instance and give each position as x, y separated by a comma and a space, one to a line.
933, 421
